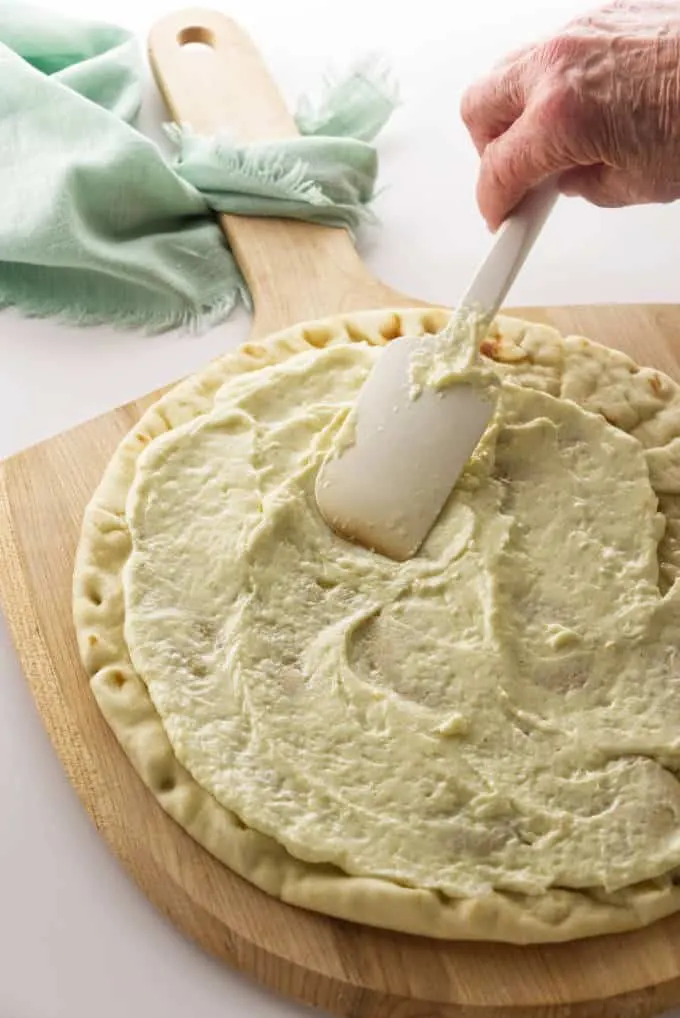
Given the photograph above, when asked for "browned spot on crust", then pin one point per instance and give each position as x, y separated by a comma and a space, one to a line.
317, 337
655, 385
505, 353
92, 640
117, 679
490, 347
92, 591
162, 415
391, 328
255, 350
356, 334
433, 322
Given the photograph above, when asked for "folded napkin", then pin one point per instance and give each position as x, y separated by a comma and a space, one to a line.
98, 226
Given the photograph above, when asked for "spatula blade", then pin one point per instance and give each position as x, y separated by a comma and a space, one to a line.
386, 487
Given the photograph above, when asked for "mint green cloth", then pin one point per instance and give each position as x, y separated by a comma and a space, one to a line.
97, 226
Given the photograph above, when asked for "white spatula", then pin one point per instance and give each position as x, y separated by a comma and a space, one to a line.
386, 488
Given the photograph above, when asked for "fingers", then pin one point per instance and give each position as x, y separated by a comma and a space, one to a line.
491, 106
524, 156
519, 121
600, 185
594, 105
612, 188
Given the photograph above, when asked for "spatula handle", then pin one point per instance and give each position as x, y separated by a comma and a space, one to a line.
513, 242
294, 270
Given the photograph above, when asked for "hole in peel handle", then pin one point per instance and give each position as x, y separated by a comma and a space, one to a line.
196, 35
213, 78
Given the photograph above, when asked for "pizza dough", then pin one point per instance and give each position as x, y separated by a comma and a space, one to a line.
478, 743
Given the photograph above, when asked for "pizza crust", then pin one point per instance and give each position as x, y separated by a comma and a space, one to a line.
641, 401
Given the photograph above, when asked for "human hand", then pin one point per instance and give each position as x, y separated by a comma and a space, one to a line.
598, 105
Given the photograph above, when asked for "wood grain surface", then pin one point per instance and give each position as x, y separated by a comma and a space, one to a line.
297, 272
347, 969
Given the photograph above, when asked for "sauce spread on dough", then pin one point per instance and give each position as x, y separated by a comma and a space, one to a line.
502, 711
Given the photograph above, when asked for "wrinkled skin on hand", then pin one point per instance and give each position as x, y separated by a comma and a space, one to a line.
598, 105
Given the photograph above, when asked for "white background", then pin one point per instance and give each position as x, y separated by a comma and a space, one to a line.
76, 937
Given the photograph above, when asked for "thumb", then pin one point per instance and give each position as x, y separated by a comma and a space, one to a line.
514, 163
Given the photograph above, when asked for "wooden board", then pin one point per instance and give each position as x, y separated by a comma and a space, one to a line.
347, 969
295, 272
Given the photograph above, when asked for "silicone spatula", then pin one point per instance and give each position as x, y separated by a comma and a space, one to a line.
386, 485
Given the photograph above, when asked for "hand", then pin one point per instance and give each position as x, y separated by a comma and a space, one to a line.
598, 105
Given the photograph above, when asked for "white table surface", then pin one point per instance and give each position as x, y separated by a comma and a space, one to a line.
76, 937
